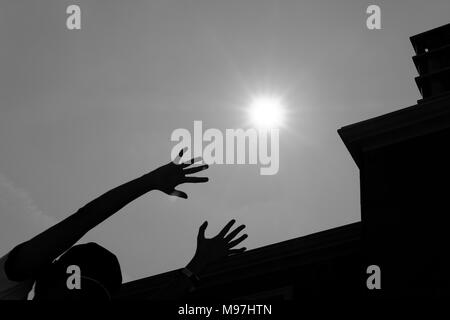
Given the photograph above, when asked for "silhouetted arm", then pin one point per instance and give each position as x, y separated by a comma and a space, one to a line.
29, 257
208, 251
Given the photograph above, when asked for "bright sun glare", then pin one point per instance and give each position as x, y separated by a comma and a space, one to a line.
266, 112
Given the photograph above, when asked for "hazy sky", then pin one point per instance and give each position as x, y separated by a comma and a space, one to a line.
83, 111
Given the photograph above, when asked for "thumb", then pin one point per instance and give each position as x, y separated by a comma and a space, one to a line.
201, 230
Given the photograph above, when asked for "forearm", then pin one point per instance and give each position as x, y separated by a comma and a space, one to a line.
32, 255
112, 201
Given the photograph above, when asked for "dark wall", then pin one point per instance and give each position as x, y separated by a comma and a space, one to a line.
405, 208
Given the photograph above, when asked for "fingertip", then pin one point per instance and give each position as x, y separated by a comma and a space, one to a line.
182, 151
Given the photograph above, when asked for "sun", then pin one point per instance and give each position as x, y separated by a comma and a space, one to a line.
266, 111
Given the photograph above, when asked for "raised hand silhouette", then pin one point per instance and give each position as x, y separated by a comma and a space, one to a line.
211, 250
169, 176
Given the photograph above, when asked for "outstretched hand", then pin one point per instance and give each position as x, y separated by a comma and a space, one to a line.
169, 176
215, 249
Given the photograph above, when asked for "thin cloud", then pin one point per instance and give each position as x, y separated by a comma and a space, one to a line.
21, 218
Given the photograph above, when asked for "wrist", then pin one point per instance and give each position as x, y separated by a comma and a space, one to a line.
195, 266
149, 181
194, 280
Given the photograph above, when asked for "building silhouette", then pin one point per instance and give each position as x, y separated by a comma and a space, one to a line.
404, 163
404, 174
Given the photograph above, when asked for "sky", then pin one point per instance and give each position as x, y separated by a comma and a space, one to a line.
82, 111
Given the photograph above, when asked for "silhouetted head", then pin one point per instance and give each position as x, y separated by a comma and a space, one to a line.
85, 272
